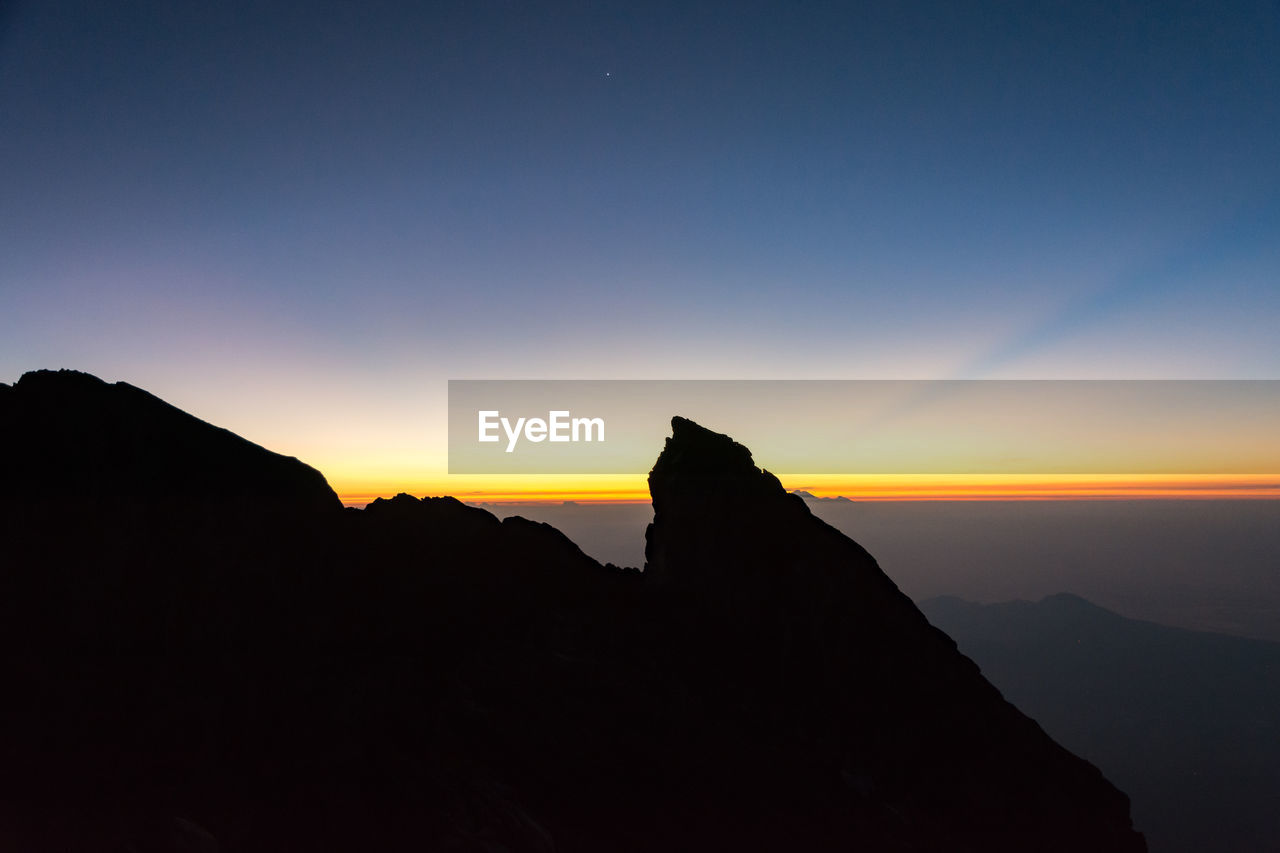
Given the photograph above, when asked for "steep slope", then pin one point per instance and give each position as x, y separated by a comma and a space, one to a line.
805, 630
1184, 720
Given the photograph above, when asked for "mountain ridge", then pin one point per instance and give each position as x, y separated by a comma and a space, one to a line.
421, 673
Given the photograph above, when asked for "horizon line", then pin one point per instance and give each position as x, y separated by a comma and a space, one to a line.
878, 488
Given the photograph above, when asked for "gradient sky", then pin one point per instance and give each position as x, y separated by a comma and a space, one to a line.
298, 220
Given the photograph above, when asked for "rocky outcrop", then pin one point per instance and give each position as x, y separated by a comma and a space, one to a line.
800, 625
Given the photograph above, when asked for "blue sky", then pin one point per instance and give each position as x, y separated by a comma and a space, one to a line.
300, 219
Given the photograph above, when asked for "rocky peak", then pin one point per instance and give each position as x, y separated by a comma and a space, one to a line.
706, 487
697, 465
783, 612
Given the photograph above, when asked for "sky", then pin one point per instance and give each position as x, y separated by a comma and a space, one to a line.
299, 220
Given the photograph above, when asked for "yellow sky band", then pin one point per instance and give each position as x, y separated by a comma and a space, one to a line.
915, 487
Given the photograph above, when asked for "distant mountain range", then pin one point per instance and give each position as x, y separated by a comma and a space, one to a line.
202, 650
1187, 722
810, 496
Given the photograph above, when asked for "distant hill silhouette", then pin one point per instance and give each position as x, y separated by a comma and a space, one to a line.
810, 496
1188, 722
202, 651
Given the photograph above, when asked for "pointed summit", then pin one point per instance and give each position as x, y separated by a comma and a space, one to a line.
698, 463
693, 444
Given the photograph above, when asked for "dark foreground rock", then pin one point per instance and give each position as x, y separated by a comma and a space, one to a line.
201, 661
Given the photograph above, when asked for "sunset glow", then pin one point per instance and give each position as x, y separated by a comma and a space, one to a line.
903, 487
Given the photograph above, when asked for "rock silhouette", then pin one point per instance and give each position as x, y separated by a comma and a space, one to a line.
69, 433
202, 650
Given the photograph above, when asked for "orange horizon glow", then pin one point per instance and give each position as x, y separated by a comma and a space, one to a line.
877, 487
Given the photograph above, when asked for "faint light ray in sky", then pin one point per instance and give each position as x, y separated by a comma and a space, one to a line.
1253, 228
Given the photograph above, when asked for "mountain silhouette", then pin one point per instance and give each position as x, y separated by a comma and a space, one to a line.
810, 496
69, 434
201, 650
